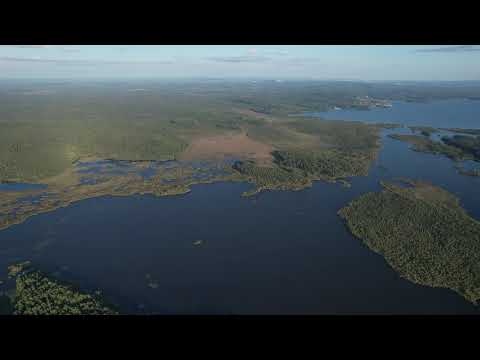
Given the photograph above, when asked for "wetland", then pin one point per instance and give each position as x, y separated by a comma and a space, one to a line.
157, 220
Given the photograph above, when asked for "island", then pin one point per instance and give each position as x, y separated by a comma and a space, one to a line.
457, 147
367, 103
464, 131
422, 232
39, 294
424, 130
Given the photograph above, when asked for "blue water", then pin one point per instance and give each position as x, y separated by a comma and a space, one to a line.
471, 165
148, 173
446, 113
109, 168
21, 187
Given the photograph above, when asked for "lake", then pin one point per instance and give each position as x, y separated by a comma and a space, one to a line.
21, 186
213, 252
451, 113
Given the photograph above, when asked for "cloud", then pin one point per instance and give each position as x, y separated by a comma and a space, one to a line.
253, 55
32, 59
277, 52
66, 48
87, 62
270, 52
28, 46
69, 49
452, 49
304, 59
240, 59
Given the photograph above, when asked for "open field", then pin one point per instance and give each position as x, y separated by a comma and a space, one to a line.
230, 145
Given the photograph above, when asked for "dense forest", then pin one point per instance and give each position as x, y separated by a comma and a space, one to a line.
468, 144
38, 294
294, 170
424, 144
423, 233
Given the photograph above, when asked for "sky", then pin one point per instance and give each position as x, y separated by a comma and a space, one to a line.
359, 62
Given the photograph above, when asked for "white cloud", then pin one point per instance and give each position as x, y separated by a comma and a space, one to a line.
28, 46
37, 59
66, 48
277, 52
452, 49
240, 59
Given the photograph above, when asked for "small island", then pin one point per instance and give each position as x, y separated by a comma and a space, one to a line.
367, 103
464, 131
457, 147
422, 232
424, 130
425, 145
473, 173
38, 294
295, 170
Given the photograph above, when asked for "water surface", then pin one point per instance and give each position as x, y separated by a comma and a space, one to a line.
21, 186
452, 113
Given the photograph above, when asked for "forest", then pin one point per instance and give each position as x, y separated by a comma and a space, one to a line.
464, 131
47, 126
424, 130
422, 232
295, 170
468, 144
38, 294
426, 145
